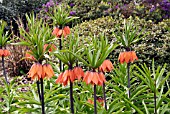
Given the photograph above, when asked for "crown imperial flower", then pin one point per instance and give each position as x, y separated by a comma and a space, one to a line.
127, 56
106, 66
4, 52
94, 78
38, 71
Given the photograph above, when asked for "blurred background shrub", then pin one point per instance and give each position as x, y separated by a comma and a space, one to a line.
154, 45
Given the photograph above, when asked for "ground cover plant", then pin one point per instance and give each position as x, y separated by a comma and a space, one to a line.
81, 57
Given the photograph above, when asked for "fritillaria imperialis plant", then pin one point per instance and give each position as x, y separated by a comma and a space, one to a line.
70, 75
96, 51
127, 37
39, 41
106, 66
60, 18
4, 40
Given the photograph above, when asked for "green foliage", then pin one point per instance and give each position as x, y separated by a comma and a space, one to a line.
154, 43
36, 37
128, 35
155, 81
71, 45
97, 51
7, 94
60, 16
142, 90
149, 82
4, 36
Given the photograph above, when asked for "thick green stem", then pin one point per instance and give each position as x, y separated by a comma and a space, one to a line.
104, 96
95, 98
4, 72
42, 97
128, 72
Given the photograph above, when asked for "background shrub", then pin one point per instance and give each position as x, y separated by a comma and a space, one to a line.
156, 43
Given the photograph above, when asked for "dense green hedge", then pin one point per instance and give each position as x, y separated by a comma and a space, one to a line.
156, 43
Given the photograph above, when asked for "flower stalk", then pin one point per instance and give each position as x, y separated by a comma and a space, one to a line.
4, 72
95, 98
104, 96
71, 98
106, 66
128, 73
38, 88
60, 46
42, 96
71, 93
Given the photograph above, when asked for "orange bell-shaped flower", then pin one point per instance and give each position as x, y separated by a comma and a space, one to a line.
67, 30
35, 71
66, 77
47, 71
1, 52
106, 66
38, 71
55, 31
78, 72
59, 32
4, 52
128, 56
94, 78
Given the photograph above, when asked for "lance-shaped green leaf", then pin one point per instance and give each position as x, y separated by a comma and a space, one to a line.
60, 16
71, 46
4, 36
37, 34
96, 51
130, 33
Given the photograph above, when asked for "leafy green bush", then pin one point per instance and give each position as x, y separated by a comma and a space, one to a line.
155, 44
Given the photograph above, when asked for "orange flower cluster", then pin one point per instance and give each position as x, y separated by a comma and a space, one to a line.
127, 56
106, 66
4, 52
94, 78
38, 71
52, 48
70, 75
100, 100
59, 32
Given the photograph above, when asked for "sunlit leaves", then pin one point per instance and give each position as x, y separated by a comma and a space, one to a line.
35, 36
60, 16
4, 36
129, 34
